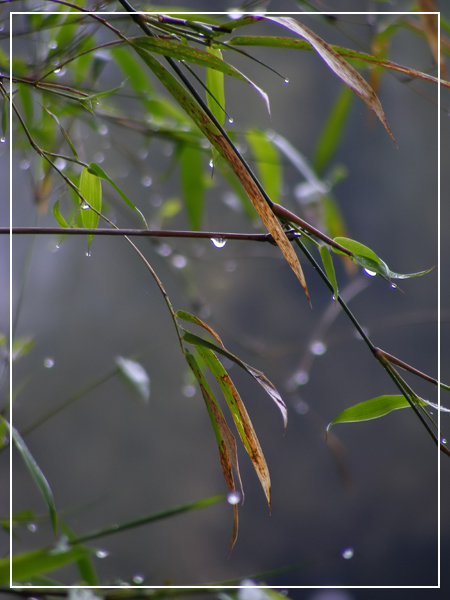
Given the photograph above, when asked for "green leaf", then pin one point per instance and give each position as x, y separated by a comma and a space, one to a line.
21, 346
36, 562
37, 475
257, 375
5, 116
58, 216
329, 269
193, 184
134, 374
240, 417
91, 190
194, 55
332, 131
98, 95
99, 172
62, 130
88, 575
216, 88
370, 409
268, 162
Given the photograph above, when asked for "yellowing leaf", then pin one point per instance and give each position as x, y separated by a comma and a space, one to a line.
340, 66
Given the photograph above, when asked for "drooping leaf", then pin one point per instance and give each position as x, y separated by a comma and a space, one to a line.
193, 184
339, 65
91, 190
63, 131
30, 564
240, 417
257, 375
370, 409
332, 130
99, 172
37, 475
134, 374
267, 161
216, 88
58, 216
194, 55
329, 269
224, 438
225, 149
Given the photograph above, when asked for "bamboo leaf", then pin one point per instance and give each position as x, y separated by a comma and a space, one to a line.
58, 216
91, 190
193, 184
332, 130
5, 116
38, 476
329, 269
370, 409
134, 374
197, 56
86, 568
339, 65
105, 93
37, 562
63, 131
224, 438
209, 129
240, 417
268, 162
99, 172
257, 375
216, 88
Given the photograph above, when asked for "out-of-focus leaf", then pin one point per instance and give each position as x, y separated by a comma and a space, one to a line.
430, 28
169, 208
26, 97
5, 117
134, 374
240, 417
329, 268
197, 56
91, 190
3, 431
370, 409
216, 88
104, 94
21, 346
58, 216
193, 184
340, 66
224, 438
62, 130
211, 132
268, 162
85, 566
332, 131
99, 172
257, 375
368, 260
37, 475
36, 562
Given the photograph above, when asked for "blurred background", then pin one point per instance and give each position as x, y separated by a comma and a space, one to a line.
360, 509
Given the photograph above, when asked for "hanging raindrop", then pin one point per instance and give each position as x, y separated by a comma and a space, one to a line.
234, 497
49, 363
218, 242
370, 273
317, 348
348, 553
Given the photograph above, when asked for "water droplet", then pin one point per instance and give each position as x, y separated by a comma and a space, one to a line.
188, 391
211, 164
25, 164
84, 205
347, 553
88, 254
61, 546
57, 71
52, 45
32, 527
60, 72
101, 553
317, 348
3, 139
234, 497
393, 285
286, 80
60, 164
179, 261
218, 242
103, 129
49, 363
301, 377
370, 273
146, 181
138, 579
443, 441
230, 120
164, 250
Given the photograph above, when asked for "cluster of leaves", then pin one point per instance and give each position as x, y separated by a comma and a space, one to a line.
188, 120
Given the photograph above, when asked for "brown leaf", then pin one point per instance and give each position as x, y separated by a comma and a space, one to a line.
430, 28
340, 66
